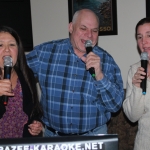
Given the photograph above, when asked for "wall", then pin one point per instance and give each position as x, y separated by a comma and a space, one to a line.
50, 22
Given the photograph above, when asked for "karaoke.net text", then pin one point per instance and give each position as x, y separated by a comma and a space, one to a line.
74, 146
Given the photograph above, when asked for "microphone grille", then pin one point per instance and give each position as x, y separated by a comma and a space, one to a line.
8, 61
88, 43
144, 56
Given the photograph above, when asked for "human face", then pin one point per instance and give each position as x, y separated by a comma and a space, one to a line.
143, 38
8, 47
85, 28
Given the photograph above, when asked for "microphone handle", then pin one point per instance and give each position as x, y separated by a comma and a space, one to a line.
7, 74
91, 70
88, 49
143, 83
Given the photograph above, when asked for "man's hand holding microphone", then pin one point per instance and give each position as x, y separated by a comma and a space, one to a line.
92, 62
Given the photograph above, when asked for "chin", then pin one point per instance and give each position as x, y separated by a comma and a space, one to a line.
83, 51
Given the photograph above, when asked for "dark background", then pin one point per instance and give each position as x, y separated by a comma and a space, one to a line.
147, 8
74, 5
17, 14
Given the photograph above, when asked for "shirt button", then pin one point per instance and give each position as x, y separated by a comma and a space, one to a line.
70, 124
73, 91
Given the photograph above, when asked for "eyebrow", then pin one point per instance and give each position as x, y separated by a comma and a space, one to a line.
8, 41
92, 28
140, 33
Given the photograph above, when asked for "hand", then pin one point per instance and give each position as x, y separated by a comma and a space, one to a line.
138, 76
6, 87
35, 128
93, 60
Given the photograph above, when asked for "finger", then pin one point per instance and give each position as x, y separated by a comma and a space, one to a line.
2, 92
35, 124
93, 63
35, 127
6, 84
83, 58
92, 57
35, 131
32, 133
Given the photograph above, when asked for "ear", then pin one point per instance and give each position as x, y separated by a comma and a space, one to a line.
70, 27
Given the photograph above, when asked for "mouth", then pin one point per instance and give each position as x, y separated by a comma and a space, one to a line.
5, 56
84, 41
146, 49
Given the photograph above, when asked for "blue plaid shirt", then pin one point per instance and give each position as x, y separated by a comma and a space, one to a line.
72, 100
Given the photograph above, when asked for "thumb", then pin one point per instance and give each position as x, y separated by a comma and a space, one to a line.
83, 58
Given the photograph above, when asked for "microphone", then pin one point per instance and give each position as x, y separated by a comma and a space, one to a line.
7, 74
88, 45
144, 61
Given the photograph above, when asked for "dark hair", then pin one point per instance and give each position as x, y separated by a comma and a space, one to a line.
141, 22
21, 65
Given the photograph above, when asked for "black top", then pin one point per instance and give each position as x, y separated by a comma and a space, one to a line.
28, 103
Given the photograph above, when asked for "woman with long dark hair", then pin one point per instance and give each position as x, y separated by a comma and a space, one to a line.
21, 116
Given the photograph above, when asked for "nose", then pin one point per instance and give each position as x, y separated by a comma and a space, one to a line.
89, 33
6, 48
144, 40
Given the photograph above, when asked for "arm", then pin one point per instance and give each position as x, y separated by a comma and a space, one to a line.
133, 105
110, 89
35, 127
108, 81
33, 60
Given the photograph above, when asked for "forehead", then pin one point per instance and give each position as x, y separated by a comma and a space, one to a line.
6, 35
144, 27
88, 19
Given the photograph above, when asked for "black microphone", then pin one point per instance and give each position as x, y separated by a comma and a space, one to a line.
88, 45
7, 74
144, 62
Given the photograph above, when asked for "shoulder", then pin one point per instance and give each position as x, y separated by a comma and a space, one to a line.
105, 57
30, 75
102, 53
52, 43
30, 71
134, 67
20, 73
